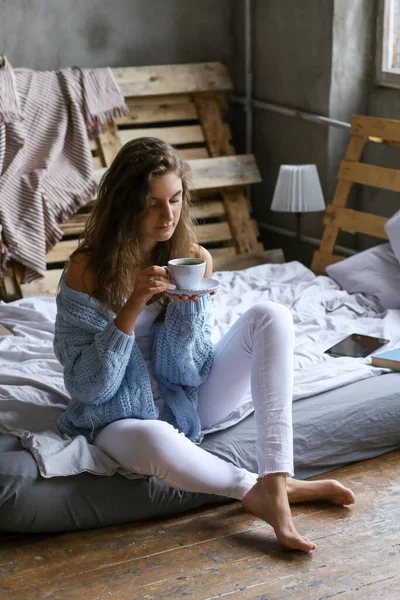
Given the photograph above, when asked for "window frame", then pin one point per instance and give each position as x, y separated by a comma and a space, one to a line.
384, 77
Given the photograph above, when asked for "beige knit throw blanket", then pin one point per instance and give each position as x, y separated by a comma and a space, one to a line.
46, 166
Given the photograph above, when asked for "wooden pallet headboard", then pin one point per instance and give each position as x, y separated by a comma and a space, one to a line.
185, 106
352, 170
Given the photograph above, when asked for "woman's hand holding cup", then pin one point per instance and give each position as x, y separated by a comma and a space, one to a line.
150, 281
187, 274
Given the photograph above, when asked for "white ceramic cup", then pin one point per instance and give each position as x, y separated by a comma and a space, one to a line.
186, 273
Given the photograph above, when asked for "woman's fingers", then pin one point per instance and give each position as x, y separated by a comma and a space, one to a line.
155, 287
155, 270
186, 298
183, 298
156, 280
158, 273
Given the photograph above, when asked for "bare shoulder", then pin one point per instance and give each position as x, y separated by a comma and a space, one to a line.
80, 274
205, 255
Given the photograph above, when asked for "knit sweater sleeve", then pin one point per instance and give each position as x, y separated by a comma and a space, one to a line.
93, 351
181, 346
94, 363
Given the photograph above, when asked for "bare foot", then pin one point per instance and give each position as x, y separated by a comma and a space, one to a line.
268, 500
325, 489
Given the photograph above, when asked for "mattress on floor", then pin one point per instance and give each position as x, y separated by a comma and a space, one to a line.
355, 422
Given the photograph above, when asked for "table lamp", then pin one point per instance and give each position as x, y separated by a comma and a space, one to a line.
298, 189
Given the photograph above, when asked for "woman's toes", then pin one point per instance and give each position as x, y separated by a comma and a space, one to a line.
296, 542
350, 497
341, 494
336, 493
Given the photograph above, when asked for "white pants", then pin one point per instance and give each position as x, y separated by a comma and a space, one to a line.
257, 351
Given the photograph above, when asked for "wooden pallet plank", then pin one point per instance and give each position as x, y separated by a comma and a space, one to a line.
331, 232
97, 162
44, 286
201, 209
75, 224
159, 109
155, 101
109, 144
379, 177
186, 134
209, 111
10, 289
355, 148
343, 188
221, 256
322, 260
186, 153
237, 262
236, 204
386, 129
207, 209
61, 251
355, 221
172, 79
224, 171
212, 233
210, 194
192, 153
214, 173
244, 230
223, 259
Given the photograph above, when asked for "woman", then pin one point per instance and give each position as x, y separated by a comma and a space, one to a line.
143, 375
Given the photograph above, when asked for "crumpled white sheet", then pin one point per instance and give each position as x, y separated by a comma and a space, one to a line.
32, 390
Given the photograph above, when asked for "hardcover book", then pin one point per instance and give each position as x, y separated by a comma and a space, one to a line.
388, 360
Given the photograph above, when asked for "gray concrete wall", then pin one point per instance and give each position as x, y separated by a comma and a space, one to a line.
316, 56
353, 53
46, 34
292, 44
354, 90
291, 68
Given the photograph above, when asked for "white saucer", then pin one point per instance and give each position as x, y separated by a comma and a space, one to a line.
206, 286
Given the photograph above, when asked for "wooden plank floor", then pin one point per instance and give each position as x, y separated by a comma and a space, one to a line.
224, 553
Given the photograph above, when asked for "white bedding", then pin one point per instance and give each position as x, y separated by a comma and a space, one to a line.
31, 383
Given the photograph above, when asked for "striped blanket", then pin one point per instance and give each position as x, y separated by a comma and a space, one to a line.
46, 167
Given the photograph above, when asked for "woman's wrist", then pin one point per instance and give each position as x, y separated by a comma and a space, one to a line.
127, 316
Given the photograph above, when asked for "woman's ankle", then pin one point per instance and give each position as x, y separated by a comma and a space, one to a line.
273, 480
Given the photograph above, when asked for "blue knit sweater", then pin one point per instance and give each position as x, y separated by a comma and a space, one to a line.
106, 374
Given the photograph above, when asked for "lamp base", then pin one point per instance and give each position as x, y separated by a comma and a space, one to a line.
298, 236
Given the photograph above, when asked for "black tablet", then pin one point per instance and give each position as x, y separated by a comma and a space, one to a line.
356, 346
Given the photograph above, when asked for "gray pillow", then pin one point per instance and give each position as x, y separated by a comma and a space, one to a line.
392, 228
375, 271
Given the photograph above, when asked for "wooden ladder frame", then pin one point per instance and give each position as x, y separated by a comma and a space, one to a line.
337, 216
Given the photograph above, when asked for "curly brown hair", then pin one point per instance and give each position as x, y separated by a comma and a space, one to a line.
111, 237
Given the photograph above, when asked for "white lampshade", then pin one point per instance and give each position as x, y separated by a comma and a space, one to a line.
298, 189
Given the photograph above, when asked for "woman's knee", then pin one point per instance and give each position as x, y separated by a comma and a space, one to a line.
134, 435
154, 434
271, 313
